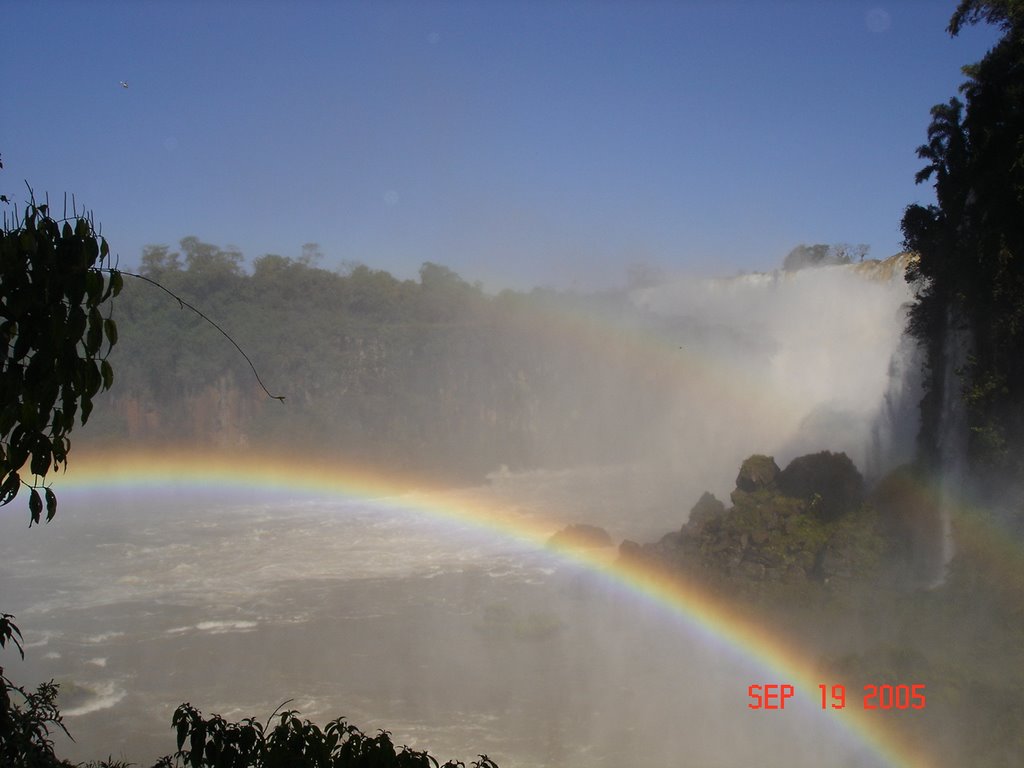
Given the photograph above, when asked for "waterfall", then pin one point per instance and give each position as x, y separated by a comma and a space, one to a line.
800, 361
951, 434
894, 433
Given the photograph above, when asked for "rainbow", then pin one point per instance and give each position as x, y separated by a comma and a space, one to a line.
116, 471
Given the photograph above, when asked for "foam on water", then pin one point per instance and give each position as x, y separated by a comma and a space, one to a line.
103, 695
219, 627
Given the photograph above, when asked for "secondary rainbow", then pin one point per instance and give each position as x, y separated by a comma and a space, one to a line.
121, 470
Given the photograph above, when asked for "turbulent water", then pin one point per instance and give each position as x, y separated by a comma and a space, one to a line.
455, 639
459, 640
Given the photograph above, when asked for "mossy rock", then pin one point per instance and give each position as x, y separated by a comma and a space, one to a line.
829, 481
707, 508
757, 473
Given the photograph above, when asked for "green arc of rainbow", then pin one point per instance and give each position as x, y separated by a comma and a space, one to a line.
110, 471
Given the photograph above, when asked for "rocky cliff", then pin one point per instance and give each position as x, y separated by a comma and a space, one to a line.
808, 523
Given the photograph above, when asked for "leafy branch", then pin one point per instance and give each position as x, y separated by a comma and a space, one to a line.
215, 743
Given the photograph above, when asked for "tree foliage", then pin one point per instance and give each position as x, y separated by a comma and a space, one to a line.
429, 375
291, 743
56, 287
56, 331
26, 721
970, 243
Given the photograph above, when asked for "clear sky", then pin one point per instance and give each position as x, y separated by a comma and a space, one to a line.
519, 143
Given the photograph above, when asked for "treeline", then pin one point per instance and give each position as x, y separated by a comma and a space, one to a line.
431, 375
970, 313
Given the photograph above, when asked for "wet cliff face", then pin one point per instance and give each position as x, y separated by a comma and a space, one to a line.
219, 415
690, 375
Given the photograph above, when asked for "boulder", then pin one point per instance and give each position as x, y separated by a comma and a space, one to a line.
829, 481
751, 571
581, 536
707, 508
757, 473
631, 550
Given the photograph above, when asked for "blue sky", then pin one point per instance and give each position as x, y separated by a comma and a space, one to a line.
519, 143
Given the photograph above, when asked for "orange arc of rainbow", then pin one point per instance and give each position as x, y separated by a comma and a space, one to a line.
110, 471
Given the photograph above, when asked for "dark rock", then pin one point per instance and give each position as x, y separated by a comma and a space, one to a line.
772, 558
757, 473
741, 499
669, 541
630, 550
807, 524
581, 536
754, 571
706, 508
794, 575
720, 545
829, 481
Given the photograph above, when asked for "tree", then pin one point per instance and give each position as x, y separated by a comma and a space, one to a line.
158, 260
1006, 14
215, 743
56, 290
970, 246
55, 280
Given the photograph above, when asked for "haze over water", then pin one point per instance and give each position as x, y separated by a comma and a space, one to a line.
453, 640
458, 639
572, 146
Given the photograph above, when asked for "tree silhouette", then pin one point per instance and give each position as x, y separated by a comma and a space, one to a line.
56, 281
970, 245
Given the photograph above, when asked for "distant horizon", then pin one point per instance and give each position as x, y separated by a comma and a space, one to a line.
521, 145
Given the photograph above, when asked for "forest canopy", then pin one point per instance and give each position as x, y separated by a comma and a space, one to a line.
429, 375
970, 272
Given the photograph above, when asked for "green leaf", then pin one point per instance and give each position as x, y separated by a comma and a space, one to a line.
93, 379
93, 286
41, 459
51, 504
29, 414
92, 251
35, 506
10, 488
76, 323
94, 337
182, 725
117, 282
110, 328
197, 740
107, 373
86, 409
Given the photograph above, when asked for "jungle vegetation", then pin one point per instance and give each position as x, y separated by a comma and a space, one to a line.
969, 314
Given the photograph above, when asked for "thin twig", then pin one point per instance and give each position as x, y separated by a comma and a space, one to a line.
182, 303
278, 709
